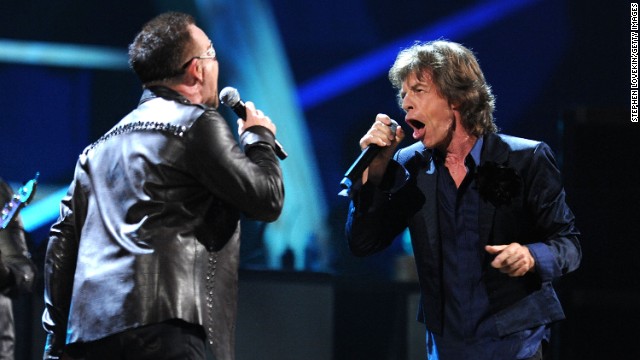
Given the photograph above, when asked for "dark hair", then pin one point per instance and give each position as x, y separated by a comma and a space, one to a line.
457, 76
158, 49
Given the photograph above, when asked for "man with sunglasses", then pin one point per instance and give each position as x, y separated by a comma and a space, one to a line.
142, 262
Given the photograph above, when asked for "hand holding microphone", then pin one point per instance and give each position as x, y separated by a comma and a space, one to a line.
230, 97
382, 136
257, 118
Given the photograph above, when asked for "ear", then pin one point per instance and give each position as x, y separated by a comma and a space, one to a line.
194, 73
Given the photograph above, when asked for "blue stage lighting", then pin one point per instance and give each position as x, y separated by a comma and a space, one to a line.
368, 67
42, 212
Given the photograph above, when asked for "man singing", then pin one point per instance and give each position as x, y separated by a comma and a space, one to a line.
142, 262
489, 224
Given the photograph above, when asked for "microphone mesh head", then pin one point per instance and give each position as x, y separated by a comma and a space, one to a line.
229, 96
394, 126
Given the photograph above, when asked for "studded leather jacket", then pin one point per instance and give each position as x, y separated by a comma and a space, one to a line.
149, 229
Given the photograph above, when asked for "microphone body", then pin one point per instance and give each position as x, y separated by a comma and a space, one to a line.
230, 97
362, 162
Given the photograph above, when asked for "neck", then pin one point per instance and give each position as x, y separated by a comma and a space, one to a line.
457, 151
190, 92
460, 146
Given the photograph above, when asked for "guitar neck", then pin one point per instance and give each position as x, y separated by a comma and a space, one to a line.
18, 201
10, 211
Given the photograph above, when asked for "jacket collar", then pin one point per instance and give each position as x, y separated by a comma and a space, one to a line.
494, 150
164, 92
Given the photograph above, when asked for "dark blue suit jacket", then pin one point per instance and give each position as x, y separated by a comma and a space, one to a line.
536, 215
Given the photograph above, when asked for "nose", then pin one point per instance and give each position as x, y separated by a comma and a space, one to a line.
406, 103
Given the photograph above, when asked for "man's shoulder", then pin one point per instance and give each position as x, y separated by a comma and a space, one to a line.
515, 150
163, 111
514, 143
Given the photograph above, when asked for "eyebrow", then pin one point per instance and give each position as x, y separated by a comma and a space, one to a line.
416, 85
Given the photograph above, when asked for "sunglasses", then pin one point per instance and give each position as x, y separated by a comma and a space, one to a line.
209, 54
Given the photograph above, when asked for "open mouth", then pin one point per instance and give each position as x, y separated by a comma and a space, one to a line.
418, 128
415, 124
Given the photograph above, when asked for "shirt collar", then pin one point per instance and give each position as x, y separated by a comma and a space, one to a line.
476, 150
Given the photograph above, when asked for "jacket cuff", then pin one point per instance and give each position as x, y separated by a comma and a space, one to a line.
257, 136
369, 196
546, 266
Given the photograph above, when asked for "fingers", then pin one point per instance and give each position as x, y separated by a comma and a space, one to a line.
513, 259
399, 134
384, 119
494, 249
255, 117
240, 123
251, 107
381, 133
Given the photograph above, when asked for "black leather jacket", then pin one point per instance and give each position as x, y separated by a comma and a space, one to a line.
17, 274
149, 230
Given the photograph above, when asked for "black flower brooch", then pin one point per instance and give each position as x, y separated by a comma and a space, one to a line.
497, 183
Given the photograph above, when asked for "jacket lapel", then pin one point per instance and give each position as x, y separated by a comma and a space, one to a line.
426, 182
493, 150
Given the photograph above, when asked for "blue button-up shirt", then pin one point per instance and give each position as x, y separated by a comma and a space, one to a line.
469, 331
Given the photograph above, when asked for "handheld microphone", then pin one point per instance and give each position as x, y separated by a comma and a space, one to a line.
362, 162
230, 97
